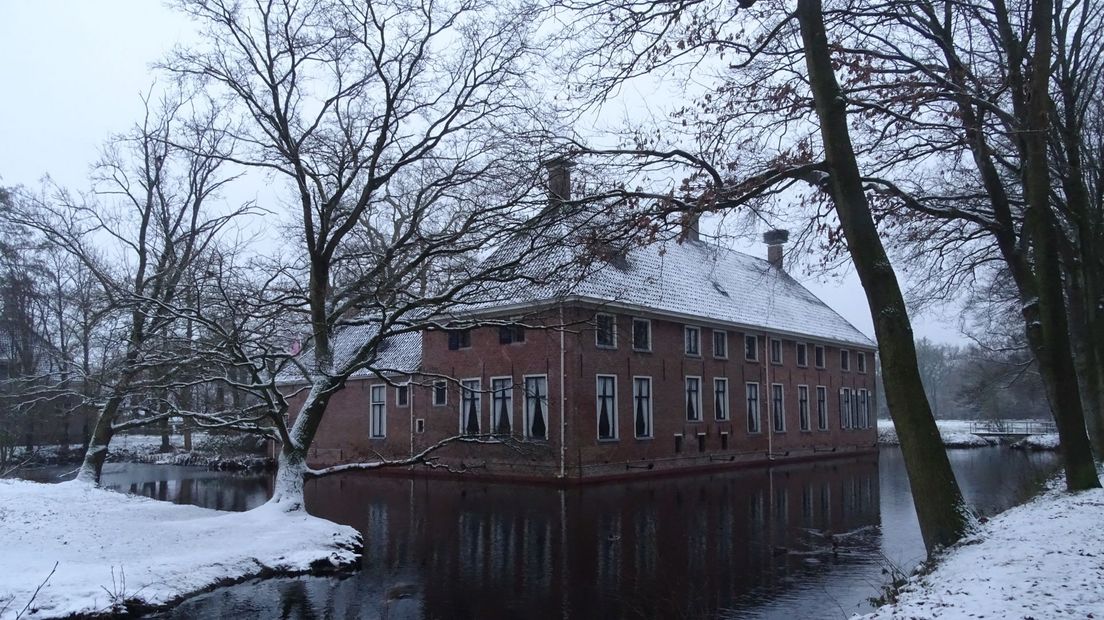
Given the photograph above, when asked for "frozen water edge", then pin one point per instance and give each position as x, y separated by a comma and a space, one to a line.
113, 549
1042, 559
955, 434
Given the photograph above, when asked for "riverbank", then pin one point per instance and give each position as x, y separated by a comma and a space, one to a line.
1042, 559
956, 434
72, 549
222, 452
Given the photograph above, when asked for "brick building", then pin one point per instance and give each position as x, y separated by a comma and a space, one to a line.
674, 355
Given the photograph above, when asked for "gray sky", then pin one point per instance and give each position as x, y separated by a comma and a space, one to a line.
72, 75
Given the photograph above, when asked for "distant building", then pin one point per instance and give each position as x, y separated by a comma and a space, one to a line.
674, 355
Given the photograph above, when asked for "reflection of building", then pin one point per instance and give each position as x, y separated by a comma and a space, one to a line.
682, 547
665, 356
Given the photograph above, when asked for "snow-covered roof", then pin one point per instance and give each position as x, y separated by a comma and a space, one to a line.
399, 353
692, 281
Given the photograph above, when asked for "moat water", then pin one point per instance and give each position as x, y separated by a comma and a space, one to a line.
811, 540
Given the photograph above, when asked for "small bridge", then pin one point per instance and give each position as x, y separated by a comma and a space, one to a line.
1012, 428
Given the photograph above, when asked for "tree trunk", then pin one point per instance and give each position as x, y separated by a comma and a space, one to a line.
939, 505
1046, 316
94, 457
291, 469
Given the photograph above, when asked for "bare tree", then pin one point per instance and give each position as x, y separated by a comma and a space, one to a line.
137, 237
407, 139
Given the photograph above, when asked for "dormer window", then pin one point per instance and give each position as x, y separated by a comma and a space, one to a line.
605, 333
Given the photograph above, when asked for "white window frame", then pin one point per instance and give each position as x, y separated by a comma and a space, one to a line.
647, 323
801, 346
724, 414
754, 339
778, 414
509, 403
723, 355
377, 421
686, 398
598, 409
864, 408
529, 412
398, 389
477, 395
823, 363
598, 330
650, 401
770, 351
804, 418
845, 354
686, 329
860, 362
758, 413
823, 422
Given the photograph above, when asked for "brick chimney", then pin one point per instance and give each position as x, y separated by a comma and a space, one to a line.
775, 240
691, 225
559, 179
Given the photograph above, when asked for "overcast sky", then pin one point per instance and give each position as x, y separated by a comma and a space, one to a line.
72, 75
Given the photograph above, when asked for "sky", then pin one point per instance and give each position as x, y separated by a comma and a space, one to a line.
73, 74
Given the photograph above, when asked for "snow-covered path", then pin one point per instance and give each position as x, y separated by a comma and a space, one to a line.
1044, 559
109, 547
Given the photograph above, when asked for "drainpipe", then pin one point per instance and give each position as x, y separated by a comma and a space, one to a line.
563, 419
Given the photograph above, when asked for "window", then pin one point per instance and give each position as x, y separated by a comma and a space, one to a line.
855, 409
470, 407
720, 344
536, 407
693, 340
860, 361
845, 408
845, 360
775, 351
751, 348
701, 442
720, 398
378, 422
642, 407
605, 333
693, 399
459, 339
440, 393
419, 426
802, 355
724, 441
642, 335
678, 444
402, 395
818, 354
822, 407
803, 407
777, 411
508, 334
753, 407
502, 405
864, 409
606, 407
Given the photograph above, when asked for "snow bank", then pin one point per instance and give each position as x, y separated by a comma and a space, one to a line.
955, 434
112, 549
1044, 559
1038, 442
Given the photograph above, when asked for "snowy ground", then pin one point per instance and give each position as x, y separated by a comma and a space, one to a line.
1044, 559
111, 548
1038, 442
216, 451
956, 434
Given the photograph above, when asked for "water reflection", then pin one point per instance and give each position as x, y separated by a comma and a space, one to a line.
799, 541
